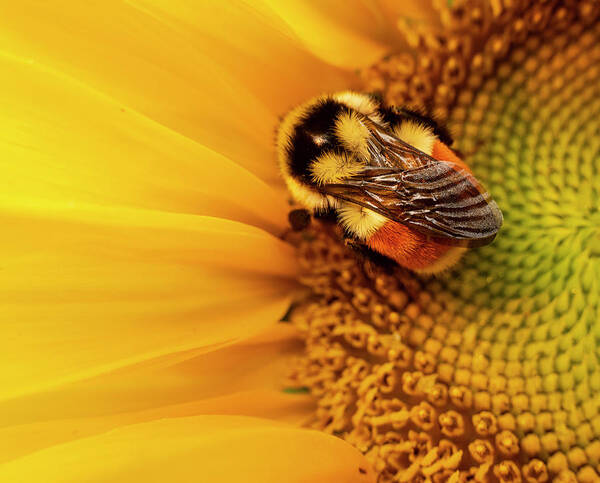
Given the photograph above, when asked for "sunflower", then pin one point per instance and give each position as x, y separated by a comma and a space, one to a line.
144, 263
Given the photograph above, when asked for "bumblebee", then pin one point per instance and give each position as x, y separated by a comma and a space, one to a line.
389, 176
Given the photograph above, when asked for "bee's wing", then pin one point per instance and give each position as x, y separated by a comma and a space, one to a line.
438, 199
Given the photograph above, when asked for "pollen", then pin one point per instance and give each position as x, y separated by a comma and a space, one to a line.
491, 370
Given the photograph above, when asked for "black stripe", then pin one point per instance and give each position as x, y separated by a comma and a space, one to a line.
318, 121
390, 115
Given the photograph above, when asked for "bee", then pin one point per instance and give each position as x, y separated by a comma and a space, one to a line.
389, 176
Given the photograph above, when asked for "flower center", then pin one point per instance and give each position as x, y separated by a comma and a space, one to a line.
490, 370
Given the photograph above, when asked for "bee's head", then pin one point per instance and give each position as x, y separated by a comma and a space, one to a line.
323, 141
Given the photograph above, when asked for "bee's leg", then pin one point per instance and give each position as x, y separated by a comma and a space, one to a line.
299, 219
369, 256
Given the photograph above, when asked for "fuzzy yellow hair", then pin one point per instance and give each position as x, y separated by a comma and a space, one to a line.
333, 168
302, 194
446, 261
360, 221
417, 135
353, 134
360, 102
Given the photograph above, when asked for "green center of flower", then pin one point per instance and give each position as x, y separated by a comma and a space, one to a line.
534, 135
532, 297
490, 370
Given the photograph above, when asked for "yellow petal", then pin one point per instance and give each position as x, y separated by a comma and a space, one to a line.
343, 35
419, 12
204, 448
19, 440
260, 362
61, 140
296, 409
85, 289
217, 72
246, 378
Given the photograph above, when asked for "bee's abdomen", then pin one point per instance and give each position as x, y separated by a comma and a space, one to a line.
413, 250
313, 136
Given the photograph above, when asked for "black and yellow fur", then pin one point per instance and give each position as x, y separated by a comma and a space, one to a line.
321, 141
